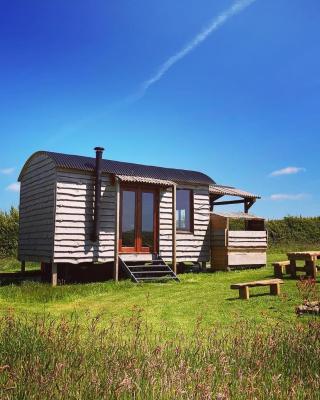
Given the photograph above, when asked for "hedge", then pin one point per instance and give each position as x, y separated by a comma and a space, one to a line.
9, 230
294, 230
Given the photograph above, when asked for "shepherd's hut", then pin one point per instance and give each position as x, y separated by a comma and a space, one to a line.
79, 212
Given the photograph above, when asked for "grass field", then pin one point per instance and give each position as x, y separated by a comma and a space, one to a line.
188, 340
205, 296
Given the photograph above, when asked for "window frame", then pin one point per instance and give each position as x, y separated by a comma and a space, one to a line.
191, 210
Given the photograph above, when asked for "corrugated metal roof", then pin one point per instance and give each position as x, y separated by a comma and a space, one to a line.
81, 163
231, 191
237, 215
140, 179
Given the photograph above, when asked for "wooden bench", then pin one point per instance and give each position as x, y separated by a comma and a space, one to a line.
280, 268
244, 287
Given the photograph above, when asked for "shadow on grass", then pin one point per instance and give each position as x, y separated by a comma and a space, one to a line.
252, 296
17, 278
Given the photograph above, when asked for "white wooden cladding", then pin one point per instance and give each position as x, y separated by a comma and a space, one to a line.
56, 216
194, 246
37, 201
247, 239
74, 219
239, 239
247, 258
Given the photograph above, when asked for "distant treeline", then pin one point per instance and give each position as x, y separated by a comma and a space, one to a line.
289, 231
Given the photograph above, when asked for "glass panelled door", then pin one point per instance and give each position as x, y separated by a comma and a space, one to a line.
128, 220
147, 221
139, 215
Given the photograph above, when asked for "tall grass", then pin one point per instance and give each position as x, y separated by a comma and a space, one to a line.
45, 358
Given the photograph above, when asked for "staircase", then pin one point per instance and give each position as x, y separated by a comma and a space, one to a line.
155, 270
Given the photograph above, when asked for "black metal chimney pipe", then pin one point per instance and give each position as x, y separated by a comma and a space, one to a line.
97, 194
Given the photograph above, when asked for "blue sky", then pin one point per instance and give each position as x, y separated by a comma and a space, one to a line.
242, 104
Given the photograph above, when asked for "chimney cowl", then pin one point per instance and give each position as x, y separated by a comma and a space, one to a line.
99, 149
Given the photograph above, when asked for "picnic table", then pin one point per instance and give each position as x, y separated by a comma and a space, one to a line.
309, 257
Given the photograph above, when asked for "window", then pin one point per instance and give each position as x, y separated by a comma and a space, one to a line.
184, 212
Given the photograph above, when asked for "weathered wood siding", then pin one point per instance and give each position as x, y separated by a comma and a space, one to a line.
236, 248
190, 246
37, 205
241, 239
74, 219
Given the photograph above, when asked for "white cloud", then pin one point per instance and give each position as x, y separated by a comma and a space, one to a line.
215, 24
283, 196
14, 187
287, 171
7, 171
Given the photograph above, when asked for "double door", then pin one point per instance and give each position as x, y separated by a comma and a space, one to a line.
138, 220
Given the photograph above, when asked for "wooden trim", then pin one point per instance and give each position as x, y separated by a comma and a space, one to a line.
54, 216
117, 233
223, 203
174, 229
122, 188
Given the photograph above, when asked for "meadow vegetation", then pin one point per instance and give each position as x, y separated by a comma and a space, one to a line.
188, 340
45, 358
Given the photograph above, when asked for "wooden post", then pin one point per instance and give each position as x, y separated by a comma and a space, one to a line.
248, 204
54, 274
275, 289
23, 267
244, 293
174, 228
117, 233
278, 270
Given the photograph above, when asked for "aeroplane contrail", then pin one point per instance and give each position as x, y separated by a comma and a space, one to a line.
216, 23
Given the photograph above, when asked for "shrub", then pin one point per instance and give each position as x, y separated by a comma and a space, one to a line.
9, 231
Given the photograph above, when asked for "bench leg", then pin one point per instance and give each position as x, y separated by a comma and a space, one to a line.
244, 293
293, 271
278, 273
288, 269
275, 289
311, 269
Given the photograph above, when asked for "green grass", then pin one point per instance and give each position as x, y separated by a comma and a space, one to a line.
179, 305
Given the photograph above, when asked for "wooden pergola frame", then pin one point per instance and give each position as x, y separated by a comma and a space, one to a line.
217, 192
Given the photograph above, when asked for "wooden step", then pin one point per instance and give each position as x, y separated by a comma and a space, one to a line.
149, 270
148, 266
160, 278
153, 272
